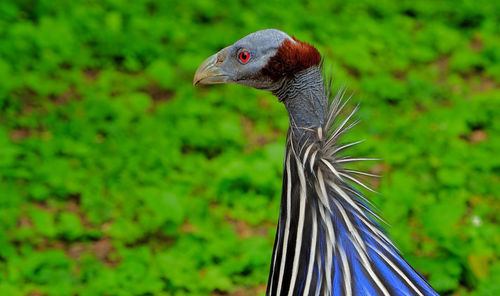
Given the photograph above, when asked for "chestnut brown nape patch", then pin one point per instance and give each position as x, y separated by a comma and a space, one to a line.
291, 58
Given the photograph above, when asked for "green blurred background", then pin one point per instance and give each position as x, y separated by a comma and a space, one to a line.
117, 177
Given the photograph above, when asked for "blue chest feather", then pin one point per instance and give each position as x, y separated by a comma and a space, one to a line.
327, 241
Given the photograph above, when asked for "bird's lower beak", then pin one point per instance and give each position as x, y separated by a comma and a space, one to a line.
209, 72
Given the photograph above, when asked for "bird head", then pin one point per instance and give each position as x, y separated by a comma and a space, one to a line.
261, 60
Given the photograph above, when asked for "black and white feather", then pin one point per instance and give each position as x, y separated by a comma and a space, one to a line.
328, 241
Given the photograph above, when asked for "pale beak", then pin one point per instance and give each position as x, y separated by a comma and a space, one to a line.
209, 72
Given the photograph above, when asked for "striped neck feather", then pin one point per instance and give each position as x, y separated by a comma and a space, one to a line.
327, 241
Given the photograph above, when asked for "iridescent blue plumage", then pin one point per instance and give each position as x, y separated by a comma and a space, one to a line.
353, 254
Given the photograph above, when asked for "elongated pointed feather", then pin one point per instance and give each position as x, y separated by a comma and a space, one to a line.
328, 240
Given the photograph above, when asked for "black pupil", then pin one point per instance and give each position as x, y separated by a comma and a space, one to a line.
244, 56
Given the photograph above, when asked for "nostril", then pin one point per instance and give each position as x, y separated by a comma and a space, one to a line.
221, 57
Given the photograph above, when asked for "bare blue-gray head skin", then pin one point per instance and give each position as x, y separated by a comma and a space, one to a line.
226, 66
327, 240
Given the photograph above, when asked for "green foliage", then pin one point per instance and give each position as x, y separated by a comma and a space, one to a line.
117, 177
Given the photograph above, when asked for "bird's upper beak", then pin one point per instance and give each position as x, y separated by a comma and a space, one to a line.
209, 72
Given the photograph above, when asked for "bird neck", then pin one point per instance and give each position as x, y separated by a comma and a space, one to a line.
305, 99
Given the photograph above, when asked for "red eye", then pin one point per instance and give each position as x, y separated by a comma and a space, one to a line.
244, 56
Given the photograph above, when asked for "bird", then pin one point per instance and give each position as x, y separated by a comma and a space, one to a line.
329, 239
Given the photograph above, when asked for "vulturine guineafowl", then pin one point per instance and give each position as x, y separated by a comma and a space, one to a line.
327, 241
